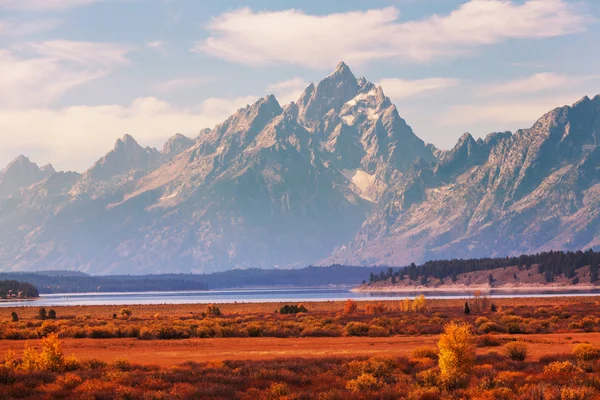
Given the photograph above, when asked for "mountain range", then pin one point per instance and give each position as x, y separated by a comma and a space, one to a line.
335, 177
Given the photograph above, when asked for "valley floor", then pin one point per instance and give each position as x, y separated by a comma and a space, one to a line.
513, 349
166, 353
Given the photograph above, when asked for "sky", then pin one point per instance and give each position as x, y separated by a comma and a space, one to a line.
75, 75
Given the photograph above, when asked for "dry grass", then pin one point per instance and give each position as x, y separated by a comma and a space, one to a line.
149, 310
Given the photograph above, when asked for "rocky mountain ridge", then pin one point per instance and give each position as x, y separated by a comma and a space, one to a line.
336, 177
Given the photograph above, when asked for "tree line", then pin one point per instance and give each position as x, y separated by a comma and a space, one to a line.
16, 289
551, 264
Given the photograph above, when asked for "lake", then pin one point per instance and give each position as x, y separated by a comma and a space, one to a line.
256, 295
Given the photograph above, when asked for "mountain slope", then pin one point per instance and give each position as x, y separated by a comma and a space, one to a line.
538, 189
337, 176
270, 186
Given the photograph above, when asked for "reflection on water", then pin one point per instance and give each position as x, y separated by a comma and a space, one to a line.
260, 295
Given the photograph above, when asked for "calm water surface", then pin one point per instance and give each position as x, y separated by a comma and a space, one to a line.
257, 295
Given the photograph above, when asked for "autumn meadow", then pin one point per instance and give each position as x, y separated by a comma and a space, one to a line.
475, 348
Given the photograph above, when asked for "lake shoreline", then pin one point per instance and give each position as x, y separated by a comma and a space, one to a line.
533, 289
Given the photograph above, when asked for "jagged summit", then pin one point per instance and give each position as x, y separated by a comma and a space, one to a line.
20, 161
126, 156
21, 173
176, 145
342, 71
583, 100
331, 93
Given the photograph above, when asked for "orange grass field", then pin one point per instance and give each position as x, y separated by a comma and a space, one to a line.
170, 352
165, 353
508, 349
148, 310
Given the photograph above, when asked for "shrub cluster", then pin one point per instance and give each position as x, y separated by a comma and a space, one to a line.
48, 374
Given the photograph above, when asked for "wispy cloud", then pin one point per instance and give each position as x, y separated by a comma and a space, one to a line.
38, 73
157, 45
43, 5
294, 37
398, 89
504, 114
534, 83
74, 137
183, 82
15, 28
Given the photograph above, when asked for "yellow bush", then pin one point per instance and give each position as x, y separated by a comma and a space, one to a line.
509, 379
72, 363
564, 367
428, 378
350, 307
50, 358
425, 352
420, 304
278, 391
406, 305
30, 361
376, 308
577, 393
69, 381
516, 351
457, 352
9, 360
586, 352
363, 383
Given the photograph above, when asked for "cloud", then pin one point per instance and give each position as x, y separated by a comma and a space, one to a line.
43, 5
398, 89
534, 83
183, 82
38, 73
505, 114
16, 28
158, 45
288, 90
75, 137
294, 37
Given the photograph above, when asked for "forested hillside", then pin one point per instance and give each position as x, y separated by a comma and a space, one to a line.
551, 264
15, 289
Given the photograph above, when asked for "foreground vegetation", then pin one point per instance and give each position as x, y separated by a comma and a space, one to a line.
483, 351
449, 371
375, 319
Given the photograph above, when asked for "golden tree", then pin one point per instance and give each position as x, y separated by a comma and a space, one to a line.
457, 353
480, 302
50, 358
350, 306
406, 305
420, 304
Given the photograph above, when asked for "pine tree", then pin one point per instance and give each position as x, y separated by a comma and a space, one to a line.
467, 309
